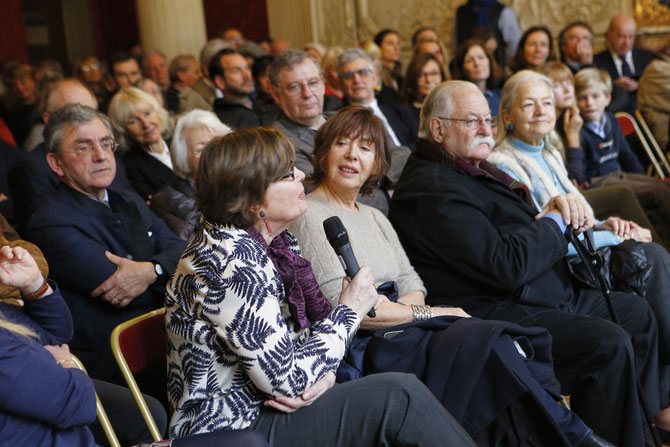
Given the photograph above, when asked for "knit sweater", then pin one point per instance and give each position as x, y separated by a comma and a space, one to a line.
542, 170
373, 240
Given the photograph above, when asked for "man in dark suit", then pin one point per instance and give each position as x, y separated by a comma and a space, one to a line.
477, 241
109, 253
575, 43
358, 79
624, 63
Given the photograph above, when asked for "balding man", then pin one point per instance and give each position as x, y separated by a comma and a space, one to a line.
478, 242
624, 63
155, 67
32, 179
184, 72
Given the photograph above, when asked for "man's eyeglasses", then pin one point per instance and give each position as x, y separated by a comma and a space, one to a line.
473, 123
295, 88
87, 148
363, 73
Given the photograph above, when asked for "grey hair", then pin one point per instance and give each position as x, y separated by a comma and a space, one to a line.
180, 63
352, 54
127, 101
510, 93
75, 115
439, 102
212, 47
151, 53
192, 120
288, 59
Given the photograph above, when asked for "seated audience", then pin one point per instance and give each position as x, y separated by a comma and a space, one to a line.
19, 113
607, 158
525, 152
474, 63
202, 93
278, 46
434, 47
424, 73
316, 50
624, 63
575, 43
230, 72
243, 272
264, 102
110, 254
9, 158
139, 123
492, 15
33, 179
351, 154
616, 200
297, 87
388, 42
535, 48
424, 33
90, 72
125, 69
383, 93
358, 78
155, 67
233, 37
653, 97
329, 65
476, 239
175, 203
149, 86
36, 366
184, 72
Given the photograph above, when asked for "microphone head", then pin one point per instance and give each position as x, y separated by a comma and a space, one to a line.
335, 232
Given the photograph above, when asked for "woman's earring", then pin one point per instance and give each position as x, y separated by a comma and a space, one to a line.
267, 223
510, 127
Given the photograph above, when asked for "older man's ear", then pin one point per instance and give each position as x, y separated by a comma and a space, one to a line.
437, 130
54, 164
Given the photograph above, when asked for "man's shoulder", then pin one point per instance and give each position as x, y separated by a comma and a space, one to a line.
602, 58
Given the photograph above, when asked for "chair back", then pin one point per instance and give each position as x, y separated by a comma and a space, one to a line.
138, 345
629, 127
102, 414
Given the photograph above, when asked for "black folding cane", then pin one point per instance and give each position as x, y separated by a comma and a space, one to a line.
594, 262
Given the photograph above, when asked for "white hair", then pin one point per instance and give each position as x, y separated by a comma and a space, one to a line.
440, 103
193, 119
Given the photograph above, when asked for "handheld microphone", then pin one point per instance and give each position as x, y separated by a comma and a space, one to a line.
339, 240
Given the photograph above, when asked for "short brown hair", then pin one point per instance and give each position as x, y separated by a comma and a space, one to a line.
235, 171
353, 122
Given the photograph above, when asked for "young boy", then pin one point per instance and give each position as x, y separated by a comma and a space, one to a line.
607, 158
606, 150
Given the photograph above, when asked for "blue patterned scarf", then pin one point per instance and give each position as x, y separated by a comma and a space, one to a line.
305, 300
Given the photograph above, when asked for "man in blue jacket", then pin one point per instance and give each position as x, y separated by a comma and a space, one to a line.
108, 251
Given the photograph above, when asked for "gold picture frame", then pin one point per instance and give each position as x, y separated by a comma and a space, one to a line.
652, 13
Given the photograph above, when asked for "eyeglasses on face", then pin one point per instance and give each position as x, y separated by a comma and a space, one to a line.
86, 148
295, 88
363, 73
289, 174
473, 123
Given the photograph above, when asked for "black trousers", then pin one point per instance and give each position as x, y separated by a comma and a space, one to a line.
597, 362
390, 409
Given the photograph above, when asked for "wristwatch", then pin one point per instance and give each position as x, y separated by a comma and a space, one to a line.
157, 268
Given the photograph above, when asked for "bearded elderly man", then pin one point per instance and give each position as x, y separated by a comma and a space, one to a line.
108, 252
478, 242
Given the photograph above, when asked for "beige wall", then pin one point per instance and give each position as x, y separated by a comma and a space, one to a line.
340, 22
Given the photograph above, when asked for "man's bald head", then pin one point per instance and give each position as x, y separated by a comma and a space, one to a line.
621, 34
65, 91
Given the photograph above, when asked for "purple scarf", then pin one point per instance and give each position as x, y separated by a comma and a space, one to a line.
305, 300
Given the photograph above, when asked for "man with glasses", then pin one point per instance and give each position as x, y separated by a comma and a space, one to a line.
108, 252
476, 239
32, 179
358, 79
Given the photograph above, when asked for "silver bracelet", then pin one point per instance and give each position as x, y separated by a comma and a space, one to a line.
421, 312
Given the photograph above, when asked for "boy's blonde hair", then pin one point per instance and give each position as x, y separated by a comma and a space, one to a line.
593, 77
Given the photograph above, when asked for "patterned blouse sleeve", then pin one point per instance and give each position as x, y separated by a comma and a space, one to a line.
244, 304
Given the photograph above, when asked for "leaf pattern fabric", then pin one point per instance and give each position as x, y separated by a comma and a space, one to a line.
232, 343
